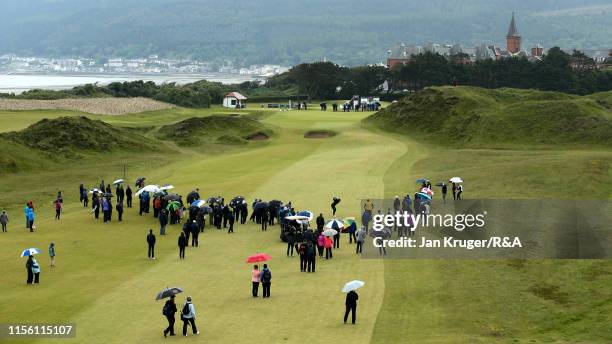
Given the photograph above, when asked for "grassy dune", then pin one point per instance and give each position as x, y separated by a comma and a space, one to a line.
105, 284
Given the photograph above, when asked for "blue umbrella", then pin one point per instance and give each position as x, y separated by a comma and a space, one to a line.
306, 213
30, 252
423, 195
422, 180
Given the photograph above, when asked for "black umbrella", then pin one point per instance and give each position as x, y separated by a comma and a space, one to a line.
168, 292
275, 203
440, 184
237, 200
171, 197
260, 205
192, 196
212, 200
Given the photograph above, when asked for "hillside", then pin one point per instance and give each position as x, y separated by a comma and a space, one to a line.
232, 129
72, 135
475, 117
349, 32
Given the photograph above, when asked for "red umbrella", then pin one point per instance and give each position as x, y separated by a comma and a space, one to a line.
260, 257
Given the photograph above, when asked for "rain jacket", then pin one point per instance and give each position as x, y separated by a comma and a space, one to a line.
30, 214
321, 240
255, 275
51, 250
35, 266
4, 218
329, 242
192, 312
360, 235
261, 276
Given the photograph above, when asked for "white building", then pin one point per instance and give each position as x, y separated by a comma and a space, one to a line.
234, 100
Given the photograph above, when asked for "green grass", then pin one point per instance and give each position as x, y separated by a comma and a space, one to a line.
501, 118
105, 284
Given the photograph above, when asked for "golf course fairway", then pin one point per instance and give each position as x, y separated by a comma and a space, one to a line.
104, 284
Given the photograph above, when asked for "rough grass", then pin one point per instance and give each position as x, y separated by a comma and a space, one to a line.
67, 135
100, 106
475, 117
222, 129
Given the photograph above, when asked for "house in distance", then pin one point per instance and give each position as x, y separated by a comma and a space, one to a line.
234, 100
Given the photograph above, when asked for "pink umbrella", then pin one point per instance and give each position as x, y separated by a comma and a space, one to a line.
427, 191
260, 257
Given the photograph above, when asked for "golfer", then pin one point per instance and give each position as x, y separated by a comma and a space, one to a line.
188, 315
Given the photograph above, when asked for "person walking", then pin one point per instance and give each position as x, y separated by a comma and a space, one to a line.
329, 244
264, 220
182, 243
128, 197
444, 192
320, 222
168, 311
352, 229
361, 234
151, 243
85, 198
230, 219
4, 220
195, 233
52, 254
119, 208
30, 217
290, 241
351, 306
95, 203
320, 242
35, 271
58, 209
311, 256
266, 280
454, 190
302, 254
188, 315
163, 221
255, 276
459, 191
29, 263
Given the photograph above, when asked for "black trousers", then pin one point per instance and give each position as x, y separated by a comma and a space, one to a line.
193, 326
320, 248
4, 227
231, 228
97, 213
30, 276
353, 310
266, 289
302, 262
352, 237
128, 202
57, 214
194, 240
151, 253
182, 252
255, 288
337, 240
170, 328
290, 248
120, 215
312, 261
359, 246
328, 253
36, 277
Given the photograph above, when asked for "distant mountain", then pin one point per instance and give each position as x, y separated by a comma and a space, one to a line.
288, 32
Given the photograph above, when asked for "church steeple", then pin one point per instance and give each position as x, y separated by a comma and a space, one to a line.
512, 31
513, 39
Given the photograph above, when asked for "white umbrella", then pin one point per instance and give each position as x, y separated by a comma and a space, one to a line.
118, 181
148, 188
352, 285
166, 187
330, 232
335, 224
30, 252
296, 218
456, 180
200, 203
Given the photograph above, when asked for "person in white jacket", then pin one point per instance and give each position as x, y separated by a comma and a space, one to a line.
188, 315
